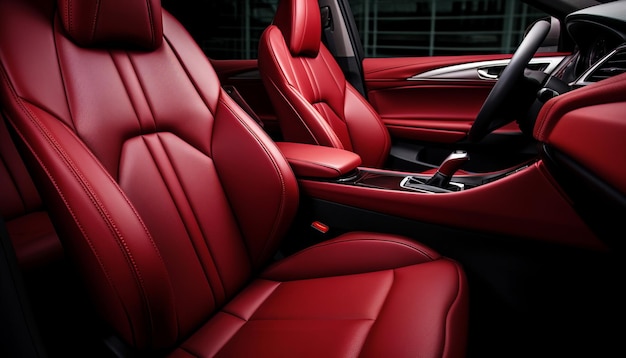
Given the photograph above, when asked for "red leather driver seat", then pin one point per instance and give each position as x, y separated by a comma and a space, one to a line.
172, 201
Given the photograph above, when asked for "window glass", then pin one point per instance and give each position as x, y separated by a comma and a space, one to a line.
435, 27
230, 29
225, 29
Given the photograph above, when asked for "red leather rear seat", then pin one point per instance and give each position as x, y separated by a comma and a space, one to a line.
34, 238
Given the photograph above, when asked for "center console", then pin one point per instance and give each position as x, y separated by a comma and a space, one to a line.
519, 201
391, 180
343, 167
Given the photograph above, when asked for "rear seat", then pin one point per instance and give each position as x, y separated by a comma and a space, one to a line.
34, 238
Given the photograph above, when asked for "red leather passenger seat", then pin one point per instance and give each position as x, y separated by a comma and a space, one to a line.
172, 201
314, 102
34, 239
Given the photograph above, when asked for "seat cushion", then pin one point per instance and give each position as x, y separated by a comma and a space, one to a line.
361, 294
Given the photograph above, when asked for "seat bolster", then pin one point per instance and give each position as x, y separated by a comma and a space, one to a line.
253, 170
429, 300
376, 314
370, 138
352, 253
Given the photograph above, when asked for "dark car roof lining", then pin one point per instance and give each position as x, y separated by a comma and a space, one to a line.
561, 8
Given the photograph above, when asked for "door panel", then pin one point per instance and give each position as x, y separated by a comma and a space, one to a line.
435, 99
244, 76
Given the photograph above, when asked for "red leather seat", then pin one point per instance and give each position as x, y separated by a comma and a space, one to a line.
313, 101
172, 201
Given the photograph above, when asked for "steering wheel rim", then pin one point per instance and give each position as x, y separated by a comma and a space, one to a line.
485, 121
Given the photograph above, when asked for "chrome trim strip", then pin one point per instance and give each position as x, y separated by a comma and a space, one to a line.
403, 184
475, 71
583, 80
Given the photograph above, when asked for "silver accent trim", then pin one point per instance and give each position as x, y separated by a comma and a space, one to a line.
474, 71
403, 184
583, 79
460, 185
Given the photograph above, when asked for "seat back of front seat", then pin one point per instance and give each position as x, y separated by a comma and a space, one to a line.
313, 101
122, 110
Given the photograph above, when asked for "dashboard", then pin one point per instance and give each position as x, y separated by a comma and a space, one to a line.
598, 31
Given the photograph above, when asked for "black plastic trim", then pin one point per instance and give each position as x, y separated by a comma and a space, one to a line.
19, 334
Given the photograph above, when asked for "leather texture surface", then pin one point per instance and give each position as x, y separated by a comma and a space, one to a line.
100, 23
426, 110
593, 114
313, 101
502, 207
314, 161
172, 201
438, 111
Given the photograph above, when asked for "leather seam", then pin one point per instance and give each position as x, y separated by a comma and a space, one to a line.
151, 21
387, 141
314, 164
245, 321
452, 304
158, 167
119, 239
33, 119
282, 207
382, 307
324, 124
272, 52
94, 25
304, 251
274, 60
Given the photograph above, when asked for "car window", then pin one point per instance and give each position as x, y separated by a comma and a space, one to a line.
230, 29
391, 28
225, 29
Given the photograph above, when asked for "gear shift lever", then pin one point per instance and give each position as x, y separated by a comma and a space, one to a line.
447, 169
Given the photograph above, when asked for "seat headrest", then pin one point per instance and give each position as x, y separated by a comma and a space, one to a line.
301, 25
120, 23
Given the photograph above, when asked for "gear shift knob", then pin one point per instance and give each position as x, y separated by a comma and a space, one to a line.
447, 169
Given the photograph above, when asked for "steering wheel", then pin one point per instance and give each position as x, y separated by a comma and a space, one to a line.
487, 121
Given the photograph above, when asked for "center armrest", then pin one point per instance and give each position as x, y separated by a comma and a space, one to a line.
315, 161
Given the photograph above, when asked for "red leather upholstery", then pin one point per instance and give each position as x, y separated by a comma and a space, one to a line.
34, 239
313, 161
313, 101
591, 114
172, 201
138, 25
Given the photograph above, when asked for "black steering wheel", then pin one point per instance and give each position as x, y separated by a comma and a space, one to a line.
487, 120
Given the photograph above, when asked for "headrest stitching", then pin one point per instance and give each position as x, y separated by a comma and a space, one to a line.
150, 18
95, 20
68, 15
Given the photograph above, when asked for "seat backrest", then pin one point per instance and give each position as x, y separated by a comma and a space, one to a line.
313, 100
166, 194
